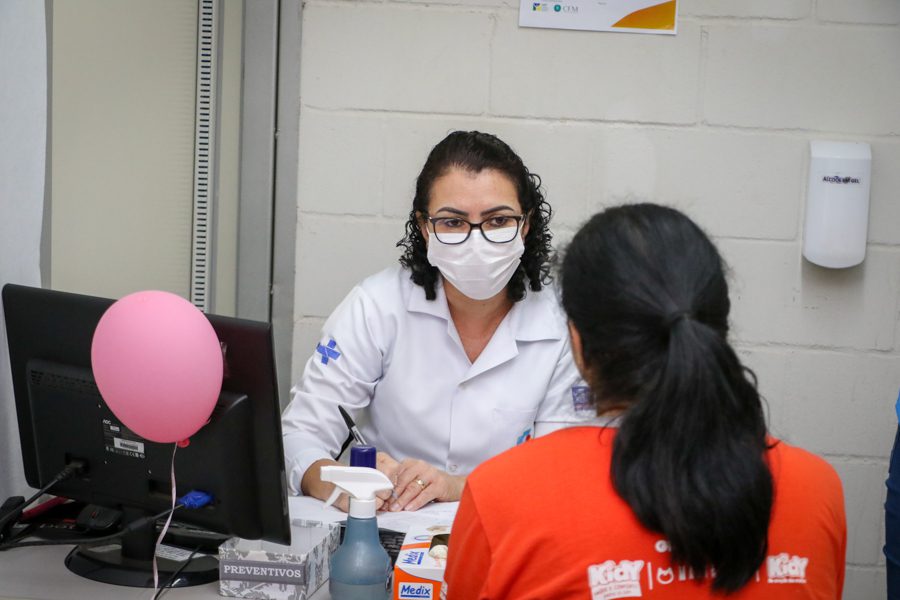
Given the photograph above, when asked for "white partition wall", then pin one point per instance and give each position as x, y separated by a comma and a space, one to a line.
122, 151
145, 147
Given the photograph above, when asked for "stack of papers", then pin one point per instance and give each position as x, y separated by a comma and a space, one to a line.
312, 509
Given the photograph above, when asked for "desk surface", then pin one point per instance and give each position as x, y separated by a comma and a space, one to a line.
40, 573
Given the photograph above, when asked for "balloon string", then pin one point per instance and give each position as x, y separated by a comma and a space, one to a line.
166, 526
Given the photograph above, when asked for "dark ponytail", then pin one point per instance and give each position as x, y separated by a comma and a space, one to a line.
646, 290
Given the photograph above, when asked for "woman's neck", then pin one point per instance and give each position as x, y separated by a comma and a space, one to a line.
476, 320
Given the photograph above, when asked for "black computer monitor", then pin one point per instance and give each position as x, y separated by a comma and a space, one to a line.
236, 457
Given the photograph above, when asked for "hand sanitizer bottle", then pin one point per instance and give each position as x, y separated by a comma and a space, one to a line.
360, 568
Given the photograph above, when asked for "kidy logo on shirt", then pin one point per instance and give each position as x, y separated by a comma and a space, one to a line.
613, 579
785, 568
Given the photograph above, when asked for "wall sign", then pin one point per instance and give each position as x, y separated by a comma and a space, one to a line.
629, 16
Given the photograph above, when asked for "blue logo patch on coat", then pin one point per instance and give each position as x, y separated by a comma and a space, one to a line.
328, 352
581, 398
526, 435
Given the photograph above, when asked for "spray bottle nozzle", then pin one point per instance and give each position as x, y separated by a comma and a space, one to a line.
361, 483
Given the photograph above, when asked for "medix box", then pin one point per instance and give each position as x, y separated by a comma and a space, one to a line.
268, 571
418, 575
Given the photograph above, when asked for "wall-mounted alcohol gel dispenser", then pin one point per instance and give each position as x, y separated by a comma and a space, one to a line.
837, 204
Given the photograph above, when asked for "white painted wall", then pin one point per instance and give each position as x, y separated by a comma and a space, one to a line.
23, 118
715, 121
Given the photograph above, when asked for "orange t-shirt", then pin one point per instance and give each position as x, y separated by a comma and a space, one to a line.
543, 521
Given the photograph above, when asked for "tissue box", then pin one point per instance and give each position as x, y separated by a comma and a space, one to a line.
258, 569
417, 574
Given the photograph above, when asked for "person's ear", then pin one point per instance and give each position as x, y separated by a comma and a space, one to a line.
423, 226
526, 224
577, 349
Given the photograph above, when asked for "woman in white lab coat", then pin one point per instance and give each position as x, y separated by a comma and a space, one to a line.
456, 354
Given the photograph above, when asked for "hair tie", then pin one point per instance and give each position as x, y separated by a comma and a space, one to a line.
674, 317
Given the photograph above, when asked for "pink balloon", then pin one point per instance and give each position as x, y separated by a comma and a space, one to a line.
158, 365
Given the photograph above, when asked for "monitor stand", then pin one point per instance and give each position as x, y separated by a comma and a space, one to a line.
129, 561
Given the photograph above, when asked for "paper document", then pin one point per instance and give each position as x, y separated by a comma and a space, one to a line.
313, 509
436, 513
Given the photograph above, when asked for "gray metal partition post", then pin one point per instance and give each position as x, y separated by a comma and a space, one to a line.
268, 179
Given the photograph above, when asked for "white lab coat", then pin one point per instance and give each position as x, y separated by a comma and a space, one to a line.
395, 361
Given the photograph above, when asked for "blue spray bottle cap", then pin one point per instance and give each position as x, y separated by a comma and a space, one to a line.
362, 456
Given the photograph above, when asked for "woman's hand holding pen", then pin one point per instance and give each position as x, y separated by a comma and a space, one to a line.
416, 483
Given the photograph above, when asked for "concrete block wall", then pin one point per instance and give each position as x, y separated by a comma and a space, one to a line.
715, 121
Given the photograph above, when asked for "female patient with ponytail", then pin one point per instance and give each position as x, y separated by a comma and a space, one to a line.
681, 493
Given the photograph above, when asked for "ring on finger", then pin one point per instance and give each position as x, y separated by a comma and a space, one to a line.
422, 484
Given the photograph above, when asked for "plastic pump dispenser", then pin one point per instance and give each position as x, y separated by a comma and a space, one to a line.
360, 568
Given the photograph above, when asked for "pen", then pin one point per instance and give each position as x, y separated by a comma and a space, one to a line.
352, 427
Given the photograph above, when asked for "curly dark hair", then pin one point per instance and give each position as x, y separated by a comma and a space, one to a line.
475, 151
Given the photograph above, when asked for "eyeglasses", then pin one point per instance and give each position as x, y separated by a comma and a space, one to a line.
499, 229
